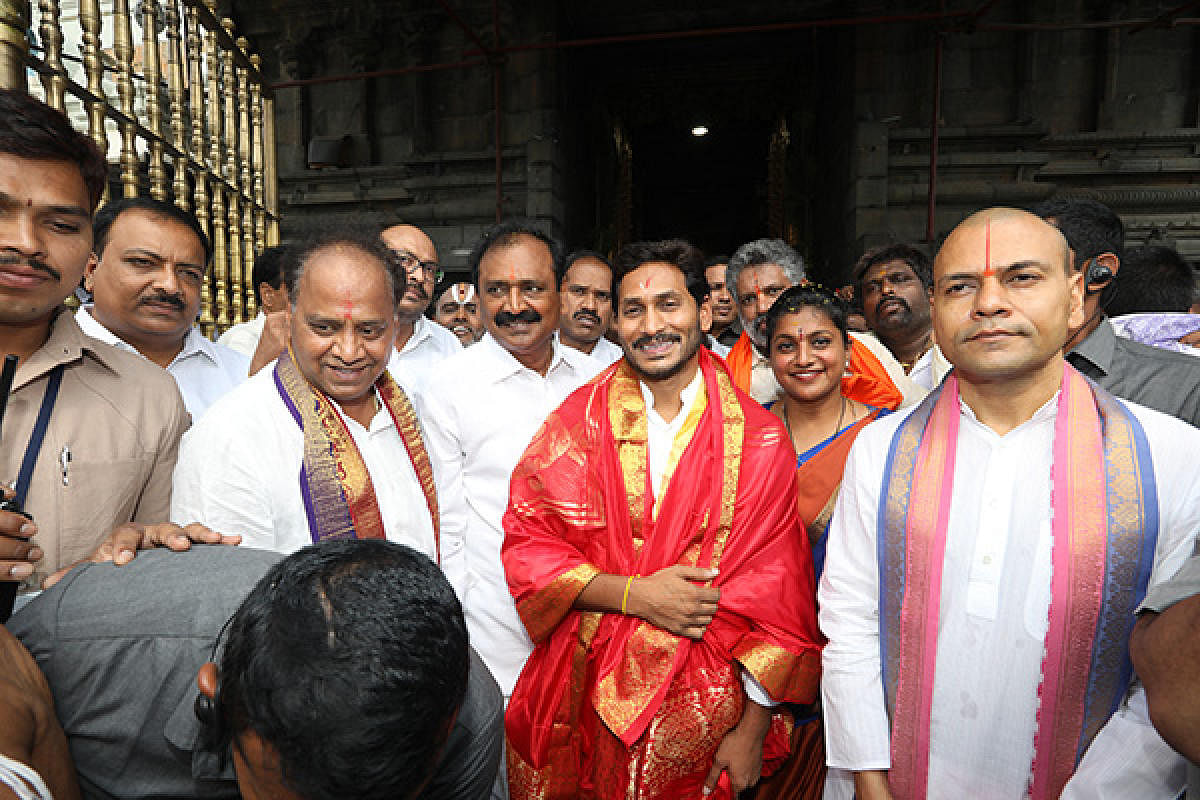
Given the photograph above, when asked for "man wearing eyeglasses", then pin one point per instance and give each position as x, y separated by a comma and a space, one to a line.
421, 344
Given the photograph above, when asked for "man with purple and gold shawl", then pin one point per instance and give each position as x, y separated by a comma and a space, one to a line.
323, 444
988, 550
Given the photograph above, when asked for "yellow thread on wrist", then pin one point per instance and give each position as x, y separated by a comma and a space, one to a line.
625, 598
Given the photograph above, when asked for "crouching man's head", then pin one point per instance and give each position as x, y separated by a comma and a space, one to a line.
339, 676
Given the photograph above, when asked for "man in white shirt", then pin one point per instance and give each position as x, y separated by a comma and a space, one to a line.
322, 444
1022, 513
421, 344
481, 410
586, 292
150, 260
456, 308
271, 293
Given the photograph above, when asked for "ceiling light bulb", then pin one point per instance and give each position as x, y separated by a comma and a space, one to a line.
699, 130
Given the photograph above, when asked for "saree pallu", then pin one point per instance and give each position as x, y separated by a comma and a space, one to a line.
339, 498
818, 478
607, 695
1104, 525
866, 380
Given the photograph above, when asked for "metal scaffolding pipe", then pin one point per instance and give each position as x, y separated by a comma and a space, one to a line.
498, 105
703, 33
931, 199
381, 73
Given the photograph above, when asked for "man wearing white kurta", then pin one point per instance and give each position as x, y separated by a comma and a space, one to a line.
1002, 297
481, 410
421, 344
423, 354
240, 466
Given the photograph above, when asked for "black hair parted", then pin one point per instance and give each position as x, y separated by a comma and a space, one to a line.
507, 233
808, 295
1090, 227
916, 258
350, 659
31, 129
268, 269
105, 218
1152, 279
678, 253
359, 237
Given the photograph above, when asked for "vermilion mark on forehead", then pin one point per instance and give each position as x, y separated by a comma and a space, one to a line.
987, 250
347, 308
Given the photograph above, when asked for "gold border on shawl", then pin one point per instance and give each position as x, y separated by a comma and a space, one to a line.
341, 465
621, 697
1087, 542
1126, 536
627, 416
409, 428
559, 778
733, 434
542, 610
787, 677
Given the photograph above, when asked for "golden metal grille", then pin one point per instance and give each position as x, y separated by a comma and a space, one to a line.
195, 126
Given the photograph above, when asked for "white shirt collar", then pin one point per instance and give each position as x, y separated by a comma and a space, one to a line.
687, 399
195, 342
501, 364
420, 333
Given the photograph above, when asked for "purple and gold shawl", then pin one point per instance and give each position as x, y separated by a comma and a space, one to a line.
1105, 525
339, 497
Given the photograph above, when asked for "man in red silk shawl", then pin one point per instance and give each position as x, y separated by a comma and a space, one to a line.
653, 549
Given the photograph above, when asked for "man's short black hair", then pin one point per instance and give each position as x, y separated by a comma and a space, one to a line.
103, 221
350, 659
916, 258
268, 269
31, 129
720, 260
676, 252
507, 233
1090, 227
1152, 279
361, 237
575, 255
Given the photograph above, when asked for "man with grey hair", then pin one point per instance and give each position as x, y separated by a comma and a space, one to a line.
759, 272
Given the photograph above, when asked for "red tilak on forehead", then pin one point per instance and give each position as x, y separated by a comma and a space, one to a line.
347, 308
987, 250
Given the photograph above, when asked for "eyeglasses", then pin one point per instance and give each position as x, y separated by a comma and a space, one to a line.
411, 264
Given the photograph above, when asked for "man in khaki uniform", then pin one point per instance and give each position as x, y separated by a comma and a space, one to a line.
105, 452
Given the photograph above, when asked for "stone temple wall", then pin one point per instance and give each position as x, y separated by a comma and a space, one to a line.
1109, 114
1026, 111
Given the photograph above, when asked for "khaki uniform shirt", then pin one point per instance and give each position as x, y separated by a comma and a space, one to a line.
117, 424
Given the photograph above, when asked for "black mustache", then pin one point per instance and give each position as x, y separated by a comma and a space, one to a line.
165, 299
594, 317
506, 318
419, 287
900, 300
658, 338
13, 259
